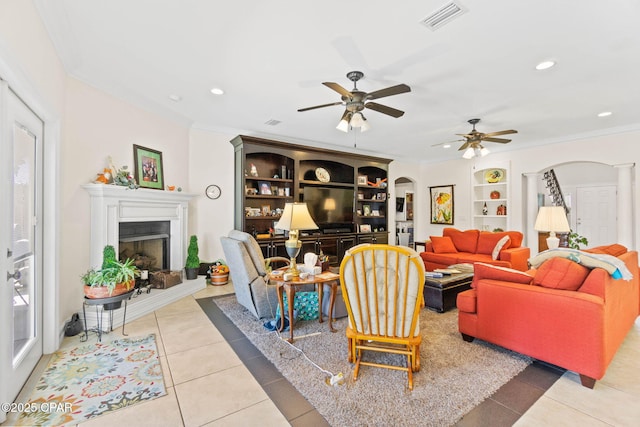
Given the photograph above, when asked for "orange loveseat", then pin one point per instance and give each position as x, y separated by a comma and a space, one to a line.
459, 247
562, 312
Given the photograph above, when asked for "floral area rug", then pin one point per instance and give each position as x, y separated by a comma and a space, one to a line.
95, 379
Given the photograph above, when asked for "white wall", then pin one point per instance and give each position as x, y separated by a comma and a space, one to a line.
615, 149
93, 126
211, 162
97, 126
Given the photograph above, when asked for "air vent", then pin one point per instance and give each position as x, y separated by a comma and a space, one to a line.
443, 15
272, 122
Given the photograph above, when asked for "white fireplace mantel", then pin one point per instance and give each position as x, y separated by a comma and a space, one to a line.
111, 205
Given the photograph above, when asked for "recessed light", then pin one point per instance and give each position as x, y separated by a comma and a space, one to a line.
175, 98
217, 91
545, 65
446, 146
605, 114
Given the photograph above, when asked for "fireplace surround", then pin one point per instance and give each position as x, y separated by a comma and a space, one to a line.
112, 205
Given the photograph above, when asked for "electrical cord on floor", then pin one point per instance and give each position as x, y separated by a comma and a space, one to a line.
332, 379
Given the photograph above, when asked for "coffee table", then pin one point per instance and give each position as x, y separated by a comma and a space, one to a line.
319, 280
440, 293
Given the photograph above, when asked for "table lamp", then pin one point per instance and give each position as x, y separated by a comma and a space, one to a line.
295, 217
554, 220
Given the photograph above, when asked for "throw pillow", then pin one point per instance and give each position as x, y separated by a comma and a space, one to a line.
502, 244
560, 273
487, 241
464, 241
488, 271
614, 249
443, 245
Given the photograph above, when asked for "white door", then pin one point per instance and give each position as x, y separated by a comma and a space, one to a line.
596, 214
20, 243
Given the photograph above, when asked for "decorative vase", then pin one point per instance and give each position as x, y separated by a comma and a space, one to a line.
219, 279
95, 292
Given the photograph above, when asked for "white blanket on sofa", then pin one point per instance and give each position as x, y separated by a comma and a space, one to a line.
613, 265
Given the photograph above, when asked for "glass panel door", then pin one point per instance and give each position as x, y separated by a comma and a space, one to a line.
24, 295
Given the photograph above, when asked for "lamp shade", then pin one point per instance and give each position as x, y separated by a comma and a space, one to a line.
296, 216
469, 153
552, 218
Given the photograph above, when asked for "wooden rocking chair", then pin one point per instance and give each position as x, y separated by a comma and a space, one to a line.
382, 288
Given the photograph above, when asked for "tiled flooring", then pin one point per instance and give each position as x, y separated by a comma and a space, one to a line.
214, 376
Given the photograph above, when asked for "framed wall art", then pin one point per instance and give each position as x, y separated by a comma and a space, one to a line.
442, 204
149, 172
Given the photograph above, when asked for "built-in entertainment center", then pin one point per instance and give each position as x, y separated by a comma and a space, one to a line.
346, 194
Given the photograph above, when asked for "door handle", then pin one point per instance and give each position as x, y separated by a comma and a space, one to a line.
15, 276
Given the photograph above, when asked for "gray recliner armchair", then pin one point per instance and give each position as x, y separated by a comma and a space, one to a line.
249, 274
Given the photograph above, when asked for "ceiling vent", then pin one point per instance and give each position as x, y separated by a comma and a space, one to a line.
272, 122
443, 15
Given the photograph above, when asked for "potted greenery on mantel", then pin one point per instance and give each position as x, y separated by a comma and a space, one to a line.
113, 278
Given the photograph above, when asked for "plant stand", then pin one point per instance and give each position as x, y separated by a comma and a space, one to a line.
109, 304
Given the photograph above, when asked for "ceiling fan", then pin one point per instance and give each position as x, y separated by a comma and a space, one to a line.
473, 140
356, 101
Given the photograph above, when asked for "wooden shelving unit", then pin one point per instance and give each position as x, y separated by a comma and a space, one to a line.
285, 171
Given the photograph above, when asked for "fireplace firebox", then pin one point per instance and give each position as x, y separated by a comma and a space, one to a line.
147, 243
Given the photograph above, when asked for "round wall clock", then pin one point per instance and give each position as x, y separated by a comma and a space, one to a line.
323, 175
213, 191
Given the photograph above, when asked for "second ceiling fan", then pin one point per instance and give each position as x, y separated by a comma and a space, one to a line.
473, 140
355, 101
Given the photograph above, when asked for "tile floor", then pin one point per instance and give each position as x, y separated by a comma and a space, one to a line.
214, 376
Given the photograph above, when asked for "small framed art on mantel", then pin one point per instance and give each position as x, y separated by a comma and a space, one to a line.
149, 171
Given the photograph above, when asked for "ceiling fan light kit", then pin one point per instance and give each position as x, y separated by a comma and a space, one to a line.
355, 101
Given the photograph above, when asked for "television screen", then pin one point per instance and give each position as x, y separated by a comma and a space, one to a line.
329, 206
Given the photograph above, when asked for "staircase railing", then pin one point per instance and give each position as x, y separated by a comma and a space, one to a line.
557, 199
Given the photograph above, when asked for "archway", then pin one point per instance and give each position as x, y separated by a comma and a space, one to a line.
598, 197
404, 211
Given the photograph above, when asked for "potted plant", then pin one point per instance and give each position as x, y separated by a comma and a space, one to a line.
219, 272
574, 240
192, 264
113, 278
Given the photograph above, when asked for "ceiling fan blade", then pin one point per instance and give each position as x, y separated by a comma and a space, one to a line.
502, 132
464, 146
384, 109
499, 140
393, 90
335, 86
320, 106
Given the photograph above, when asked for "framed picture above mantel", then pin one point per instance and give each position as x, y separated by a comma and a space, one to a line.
149, 171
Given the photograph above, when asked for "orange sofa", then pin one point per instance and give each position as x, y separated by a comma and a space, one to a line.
457, 247
562, 312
